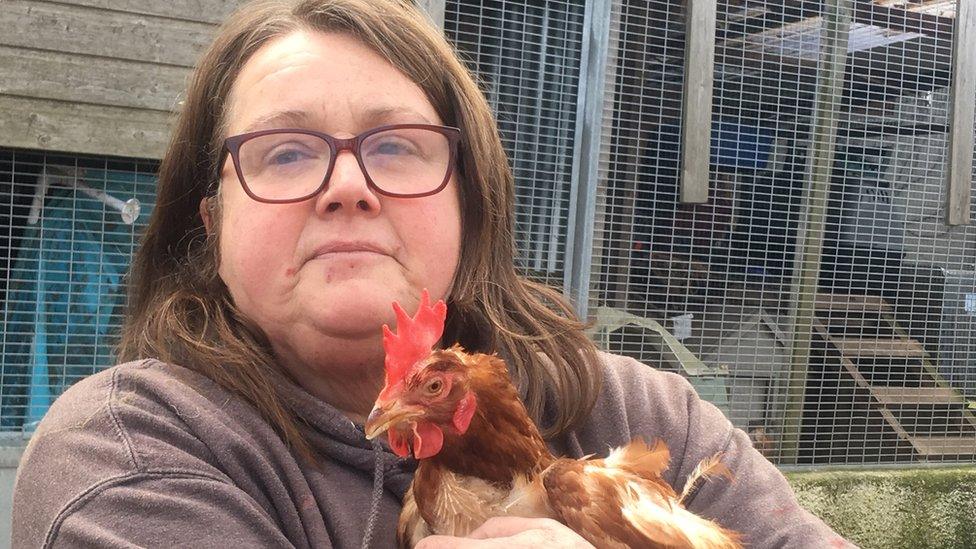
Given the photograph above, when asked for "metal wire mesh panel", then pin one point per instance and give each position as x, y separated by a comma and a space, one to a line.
527, 57
68, 226
830, 304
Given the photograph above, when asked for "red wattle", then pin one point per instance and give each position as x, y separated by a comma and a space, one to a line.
398, 443
427, 440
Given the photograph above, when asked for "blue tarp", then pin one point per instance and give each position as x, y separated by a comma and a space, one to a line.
741, 146
63, 306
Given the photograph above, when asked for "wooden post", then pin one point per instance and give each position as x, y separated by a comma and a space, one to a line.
962, 101
835, 31
591, 147
696, 117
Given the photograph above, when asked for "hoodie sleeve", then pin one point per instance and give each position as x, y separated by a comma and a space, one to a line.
162, 510
759, 503
115, 465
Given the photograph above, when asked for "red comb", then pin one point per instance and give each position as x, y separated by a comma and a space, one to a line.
414, 338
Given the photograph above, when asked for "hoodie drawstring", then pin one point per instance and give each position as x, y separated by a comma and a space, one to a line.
374, 505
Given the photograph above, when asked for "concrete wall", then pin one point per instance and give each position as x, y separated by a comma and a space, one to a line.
908, 214
9, 457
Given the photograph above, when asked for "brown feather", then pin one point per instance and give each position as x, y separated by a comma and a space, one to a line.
642, 460
411, 527
610, 504
590, 505
706, 469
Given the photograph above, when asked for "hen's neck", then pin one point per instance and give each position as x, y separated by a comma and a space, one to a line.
502, 440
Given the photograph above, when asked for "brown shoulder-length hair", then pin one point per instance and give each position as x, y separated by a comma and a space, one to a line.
179, 310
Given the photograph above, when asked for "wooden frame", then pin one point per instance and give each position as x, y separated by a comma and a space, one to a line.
696, 112
810, 233
962, 98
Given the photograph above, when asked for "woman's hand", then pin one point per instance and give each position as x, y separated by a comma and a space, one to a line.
512, 533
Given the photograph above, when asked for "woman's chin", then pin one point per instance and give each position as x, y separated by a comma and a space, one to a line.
355, 308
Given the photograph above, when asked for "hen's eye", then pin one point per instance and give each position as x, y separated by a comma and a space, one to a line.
435, 386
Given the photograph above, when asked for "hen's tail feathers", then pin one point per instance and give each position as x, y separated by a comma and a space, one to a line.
640, 459
708, 468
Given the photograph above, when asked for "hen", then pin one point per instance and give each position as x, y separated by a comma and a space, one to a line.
481, 455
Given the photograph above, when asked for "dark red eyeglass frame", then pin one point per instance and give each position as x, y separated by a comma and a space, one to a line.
233, 146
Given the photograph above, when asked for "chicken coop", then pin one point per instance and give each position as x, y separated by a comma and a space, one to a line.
773, 198
784, 187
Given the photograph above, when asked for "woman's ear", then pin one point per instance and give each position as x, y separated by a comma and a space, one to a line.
205, 212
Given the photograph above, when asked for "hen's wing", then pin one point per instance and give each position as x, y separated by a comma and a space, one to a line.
622, 501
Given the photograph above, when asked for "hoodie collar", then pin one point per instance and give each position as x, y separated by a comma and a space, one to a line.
332, 434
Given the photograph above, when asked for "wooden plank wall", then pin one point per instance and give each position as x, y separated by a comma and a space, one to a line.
98, 76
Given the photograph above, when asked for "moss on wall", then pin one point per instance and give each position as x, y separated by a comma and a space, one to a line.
912, 508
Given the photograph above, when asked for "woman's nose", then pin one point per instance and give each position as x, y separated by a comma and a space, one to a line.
347, 189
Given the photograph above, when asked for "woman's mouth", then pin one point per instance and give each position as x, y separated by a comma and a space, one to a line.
348, 249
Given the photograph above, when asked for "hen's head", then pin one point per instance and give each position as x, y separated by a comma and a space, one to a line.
427, 391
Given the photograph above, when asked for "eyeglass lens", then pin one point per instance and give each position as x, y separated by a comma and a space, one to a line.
283, 166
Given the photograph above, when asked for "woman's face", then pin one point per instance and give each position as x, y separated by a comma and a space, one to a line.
319, 276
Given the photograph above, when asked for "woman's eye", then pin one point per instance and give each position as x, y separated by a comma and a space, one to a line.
392, 148
285, 157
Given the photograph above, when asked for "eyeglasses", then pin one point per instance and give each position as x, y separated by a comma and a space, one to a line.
291, 165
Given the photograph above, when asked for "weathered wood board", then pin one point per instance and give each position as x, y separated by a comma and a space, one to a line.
963, 108
99, 76
81, 79
73, 127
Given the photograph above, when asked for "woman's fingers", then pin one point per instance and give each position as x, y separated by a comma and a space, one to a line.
500, 527
446, 542
512, 533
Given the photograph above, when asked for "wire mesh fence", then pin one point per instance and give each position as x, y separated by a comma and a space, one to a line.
527, 58
68, 226
876, 365
833, 325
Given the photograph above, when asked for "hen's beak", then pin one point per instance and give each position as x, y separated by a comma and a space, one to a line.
385, 416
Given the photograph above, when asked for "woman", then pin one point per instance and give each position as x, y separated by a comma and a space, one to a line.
333, 157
